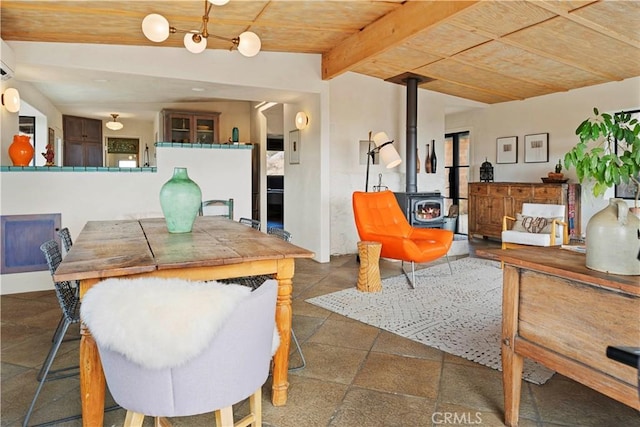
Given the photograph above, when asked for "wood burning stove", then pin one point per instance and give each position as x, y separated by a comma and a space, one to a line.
424, 210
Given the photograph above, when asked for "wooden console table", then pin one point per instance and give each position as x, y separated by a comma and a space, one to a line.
561, 314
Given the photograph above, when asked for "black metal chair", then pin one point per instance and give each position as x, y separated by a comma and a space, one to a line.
65, 237
279, 232
255, 281
67, 295
214, 207
253, 223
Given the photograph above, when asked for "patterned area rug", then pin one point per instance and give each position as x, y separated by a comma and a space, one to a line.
459, 314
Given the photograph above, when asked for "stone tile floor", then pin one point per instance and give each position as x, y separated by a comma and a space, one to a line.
356, 375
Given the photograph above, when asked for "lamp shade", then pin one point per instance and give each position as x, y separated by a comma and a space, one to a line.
155, 27
302, 120
249, 44
11, 100
114, 125
380, 138
388, 153
192, 45
390, 156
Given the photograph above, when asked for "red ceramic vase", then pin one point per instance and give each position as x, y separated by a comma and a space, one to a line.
21, 151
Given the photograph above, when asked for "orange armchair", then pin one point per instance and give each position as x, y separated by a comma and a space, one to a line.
380, 219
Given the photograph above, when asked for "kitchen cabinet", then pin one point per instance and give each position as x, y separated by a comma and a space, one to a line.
82, 141
199, 127
489, 202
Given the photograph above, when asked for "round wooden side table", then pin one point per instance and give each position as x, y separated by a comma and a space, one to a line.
369, 274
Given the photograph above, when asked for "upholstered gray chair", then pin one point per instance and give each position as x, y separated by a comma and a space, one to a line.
227, 364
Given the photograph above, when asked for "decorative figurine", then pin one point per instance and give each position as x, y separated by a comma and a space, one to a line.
486, 171
49, 155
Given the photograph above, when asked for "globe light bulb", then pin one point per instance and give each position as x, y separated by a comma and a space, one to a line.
249, 44
155, 27
192, 45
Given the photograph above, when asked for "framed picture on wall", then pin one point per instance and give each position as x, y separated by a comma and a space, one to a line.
536, 148
294, 147
507, 149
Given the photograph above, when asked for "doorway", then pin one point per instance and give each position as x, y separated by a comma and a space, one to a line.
274, 113
456, 165
275, 182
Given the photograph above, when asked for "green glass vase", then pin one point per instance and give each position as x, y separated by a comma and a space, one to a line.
180, 199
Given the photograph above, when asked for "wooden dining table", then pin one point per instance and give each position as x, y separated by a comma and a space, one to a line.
216, 248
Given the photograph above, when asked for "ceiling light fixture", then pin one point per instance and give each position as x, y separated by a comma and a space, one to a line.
11, 100
157, 29
114, 124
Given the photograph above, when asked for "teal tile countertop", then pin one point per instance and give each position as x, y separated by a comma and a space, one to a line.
73, 169
230, 146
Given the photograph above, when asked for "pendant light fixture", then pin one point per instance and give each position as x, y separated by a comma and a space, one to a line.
114, 124
157, 29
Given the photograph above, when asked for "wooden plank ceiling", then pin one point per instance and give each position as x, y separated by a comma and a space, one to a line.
487, 51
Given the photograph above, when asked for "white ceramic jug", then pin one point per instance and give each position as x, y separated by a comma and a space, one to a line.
613, 240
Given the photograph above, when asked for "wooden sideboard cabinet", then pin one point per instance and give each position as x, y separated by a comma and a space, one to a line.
200, 127
490, 201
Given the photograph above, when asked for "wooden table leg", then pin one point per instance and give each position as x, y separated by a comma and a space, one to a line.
283, 320
511, 362
92, 381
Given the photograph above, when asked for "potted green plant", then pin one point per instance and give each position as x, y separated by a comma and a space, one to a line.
608, 152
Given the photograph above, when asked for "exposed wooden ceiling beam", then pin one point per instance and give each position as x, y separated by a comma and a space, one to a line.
388, 32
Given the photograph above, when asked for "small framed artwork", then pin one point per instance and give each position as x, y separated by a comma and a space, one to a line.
536, 148
507, 149
294, 147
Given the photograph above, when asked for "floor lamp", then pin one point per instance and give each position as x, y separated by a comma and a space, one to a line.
388, 154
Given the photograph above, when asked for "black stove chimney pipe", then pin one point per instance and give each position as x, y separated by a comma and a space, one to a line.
412, 134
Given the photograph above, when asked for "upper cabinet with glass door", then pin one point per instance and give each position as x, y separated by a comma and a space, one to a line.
197, 127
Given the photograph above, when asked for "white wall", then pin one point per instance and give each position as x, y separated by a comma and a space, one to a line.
88, 196
558, 114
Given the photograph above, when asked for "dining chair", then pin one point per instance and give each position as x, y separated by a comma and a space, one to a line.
69, 301
217, 207
281, 233
65, 237
213, 362
69, 304
254, 223
255, 281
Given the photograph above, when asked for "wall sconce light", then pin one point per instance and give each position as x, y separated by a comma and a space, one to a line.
388, 153
302, 120
114, 124
157, 29
11, 100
